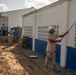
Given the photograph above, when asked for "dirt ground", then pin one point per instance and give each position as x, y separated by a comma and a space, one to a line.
15, 60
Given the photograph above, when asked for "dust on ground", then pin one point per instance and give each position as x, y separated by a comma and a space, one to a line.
14, 60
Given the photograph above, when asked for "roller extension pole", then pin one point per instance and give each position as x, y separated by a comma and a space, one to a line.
70, 28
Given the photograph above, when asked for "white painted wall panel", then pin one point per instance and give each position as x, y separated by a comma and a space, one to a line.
71, 19
29, 24
15, 17
29, 20
51, 16
29, 28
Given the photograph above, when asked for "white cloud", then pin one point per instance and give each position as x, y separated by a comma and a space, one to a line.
38, 3
3, 7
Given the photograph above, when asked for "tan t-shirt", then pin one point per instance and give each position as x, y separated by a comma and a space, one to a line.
51, 46
11, 31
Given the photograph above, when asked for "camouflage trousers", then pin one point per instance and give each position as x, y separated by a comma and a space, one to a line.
50, 56
10, 40
18, 38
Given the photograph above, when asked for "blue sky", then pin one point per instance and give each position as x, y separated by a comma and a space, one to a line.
8, 5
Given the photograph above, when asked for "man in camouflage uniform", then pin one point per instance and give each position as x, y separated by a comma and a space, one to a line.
50, 49
18, 34
10, 40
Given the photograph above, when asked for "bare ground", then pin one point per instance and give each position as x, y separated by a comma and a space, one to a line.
15, 60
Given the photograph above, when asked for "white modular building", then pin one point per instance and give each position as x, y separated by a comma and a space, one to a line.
13, 18
61, 15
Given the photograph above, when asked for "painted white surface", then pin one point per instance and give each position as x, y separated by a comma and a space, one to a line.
4, 13
50, 16
63, 15
30, 22
64, 41
71, 20
55, 16
15, 17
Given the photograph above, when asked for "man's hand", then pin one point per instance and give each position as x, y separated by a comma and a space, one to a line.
65, 33
60, 40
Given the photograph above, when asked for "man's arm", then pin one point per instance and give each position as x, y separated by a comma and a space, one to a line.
54, 41
9, 33
63, 34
